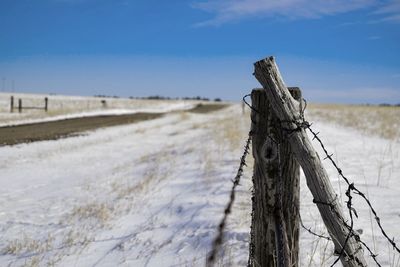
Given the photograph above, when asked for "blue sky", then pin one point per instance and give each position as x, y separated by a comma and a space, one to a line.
337, 51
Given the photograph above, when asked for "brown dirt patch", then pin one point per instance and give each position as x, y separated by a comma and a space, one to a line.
11, 135
26, 133
206, 108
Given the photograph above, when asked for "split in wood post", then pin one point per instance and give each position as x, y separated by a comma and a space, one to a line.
275, 220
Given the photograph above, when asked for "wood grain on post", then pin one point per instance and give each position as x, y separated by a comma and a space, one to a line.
287, 110
275, 221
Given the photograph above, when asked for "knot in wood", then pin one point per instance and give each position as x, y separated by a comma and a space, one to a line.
269, 150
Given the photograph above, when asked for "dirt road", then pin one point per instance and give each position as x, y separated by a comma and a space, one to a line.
12, 135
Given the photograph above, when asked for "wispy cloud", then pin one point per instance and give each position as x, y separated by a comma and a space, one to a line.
350, 23
97, 2
71, 1
374, 37
389, 7
388, 12
232, 10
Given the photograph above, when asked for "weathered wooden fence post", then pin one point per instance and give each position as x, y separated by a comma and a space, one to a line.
275, 221
19, 105
46, 103
286, 109
12, 104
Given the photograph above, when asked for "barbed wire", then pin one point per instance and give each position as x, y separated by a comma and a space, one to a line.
342, 251
353, 234
352, 187
221, 226
312, 232
303, 124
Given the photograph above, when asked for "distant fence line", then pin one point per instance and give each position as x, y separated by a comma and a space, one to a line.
20, 107
25, 102
20, 104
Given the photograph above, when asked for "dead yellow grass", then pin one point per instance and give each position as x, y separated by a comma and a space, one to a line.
26, 244
231, 130
376, 120
99, 211
153, 174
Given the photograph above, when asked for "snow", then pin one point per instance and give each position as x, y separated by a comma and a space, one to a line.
152, 194
69, 107
373, 164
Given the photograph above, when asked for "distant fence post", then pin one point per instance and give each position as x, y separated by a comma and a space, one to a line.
46, 102
267, 73
275, 220
12, 104
19, 105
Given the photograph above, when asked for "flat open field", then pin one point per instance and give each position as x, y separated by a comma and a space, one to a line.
151, 193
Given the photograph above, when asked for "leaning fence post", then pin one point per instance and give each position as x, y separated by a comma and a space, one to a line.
284, 106
275, 220
19, 105
12, 104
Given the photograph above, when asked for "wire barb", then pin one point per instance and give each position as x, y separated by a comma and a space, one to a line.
312, 232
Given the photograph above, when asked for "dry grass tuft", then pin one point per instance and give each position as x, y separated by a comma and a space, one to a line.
98, 211
28, 245
230, 130
125, 191
74, 237
376, 120
32, 262
183, 115
159, 166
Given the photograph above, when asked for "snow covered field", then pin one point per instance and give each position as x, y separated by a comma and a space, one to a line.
152, 194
